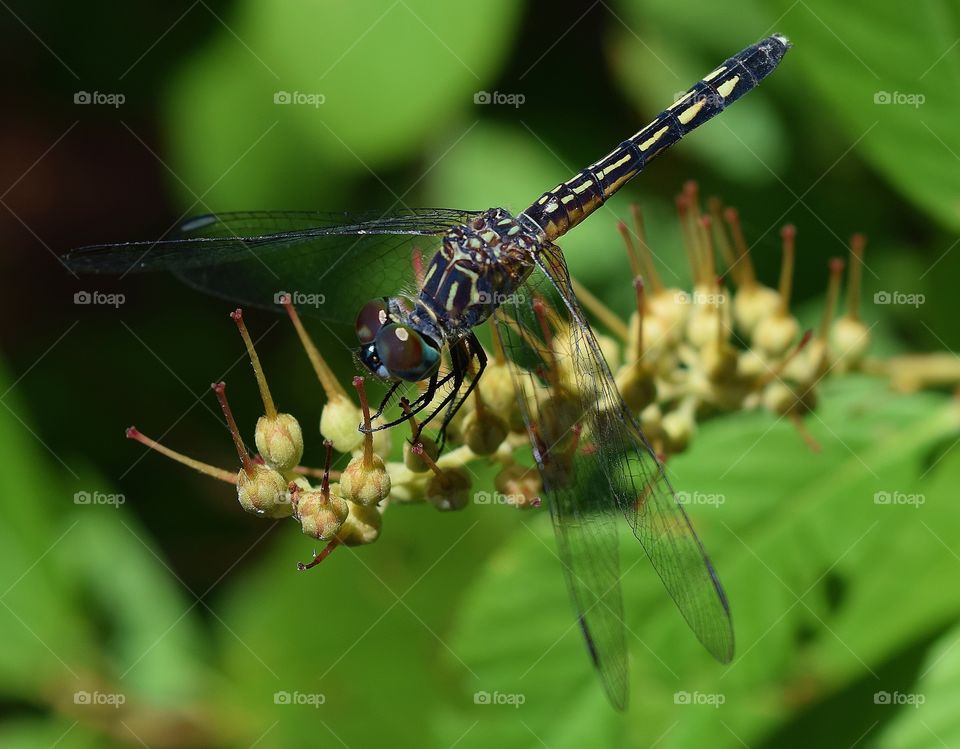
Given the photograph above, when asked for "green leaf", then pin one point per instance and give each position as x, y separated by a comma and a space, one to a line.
926, 715
365, 85
339, 630
890, 71
62, 733
791, 524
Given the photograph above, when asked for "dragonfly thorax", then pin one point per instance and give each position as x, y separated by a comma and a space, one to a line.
478, 266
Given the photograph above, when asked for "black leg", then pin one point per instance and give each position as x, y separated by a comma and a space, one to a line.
476, 352
385, 402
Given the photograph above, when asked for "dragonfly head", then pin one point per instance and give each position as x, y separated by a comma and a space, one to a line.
391, 346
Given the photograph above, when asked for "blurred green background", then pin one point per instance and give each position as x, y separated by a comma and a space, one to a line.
193, 612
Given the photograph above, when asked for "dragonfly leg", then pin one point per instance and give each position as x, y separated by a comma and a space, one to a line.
434, 384
384, 403
476, 352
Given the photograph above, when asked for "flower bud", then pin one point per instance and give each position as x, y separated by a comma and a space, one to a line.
678, 427
320, 516
365, 483
774, 335
784, 400
362, 525
637, 387
496, 388
521, 485
280, 441
338, 423
483, 431
449, 489
263, 492
754, 303
719, 361
849, 340
415, 462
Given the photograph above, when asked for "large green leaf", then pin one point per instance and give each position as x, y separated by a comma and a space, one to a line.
926, 714
793, 524
890, 70
365, 84
88, 605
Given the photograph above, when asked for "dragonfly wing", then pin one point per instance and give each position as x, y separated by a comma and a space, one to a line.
638, 484
609, 473
334, 262
584, 517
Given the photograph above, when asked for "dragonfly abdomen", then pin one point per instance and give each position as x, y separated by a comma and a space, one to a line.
566, 205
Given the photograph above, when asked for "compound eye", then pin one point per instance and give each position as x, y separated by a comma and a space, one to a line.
373, 316
405, 353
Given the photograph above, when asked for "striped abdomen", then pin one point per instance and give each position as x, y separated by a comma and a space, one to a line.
569, 203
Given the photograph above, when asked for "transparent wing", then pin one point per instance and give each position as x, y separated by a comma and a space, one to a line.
334, 262
597, 467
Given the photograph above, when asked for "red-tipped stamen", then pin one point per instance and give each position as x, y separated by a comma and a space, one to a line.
633, 257
644, 248
858, 243
641, 303
218, 473
744, 263
689, 244
333, 544
722, 239
789, 234
540, 311
421, 453
358, 383
220, 388
325, 484
833, 294
331, 386
411, 419
499, 356
268, 407
704, 226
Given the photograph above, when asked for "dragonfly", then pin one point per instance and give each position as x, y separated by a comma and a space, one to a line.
596, 465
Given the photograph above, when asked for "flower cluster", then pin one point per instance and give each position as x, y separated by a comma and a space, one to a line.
682, 356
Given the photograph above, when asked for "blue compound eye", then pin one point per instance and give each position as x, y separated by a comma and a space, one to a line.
373, 316
405, 353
